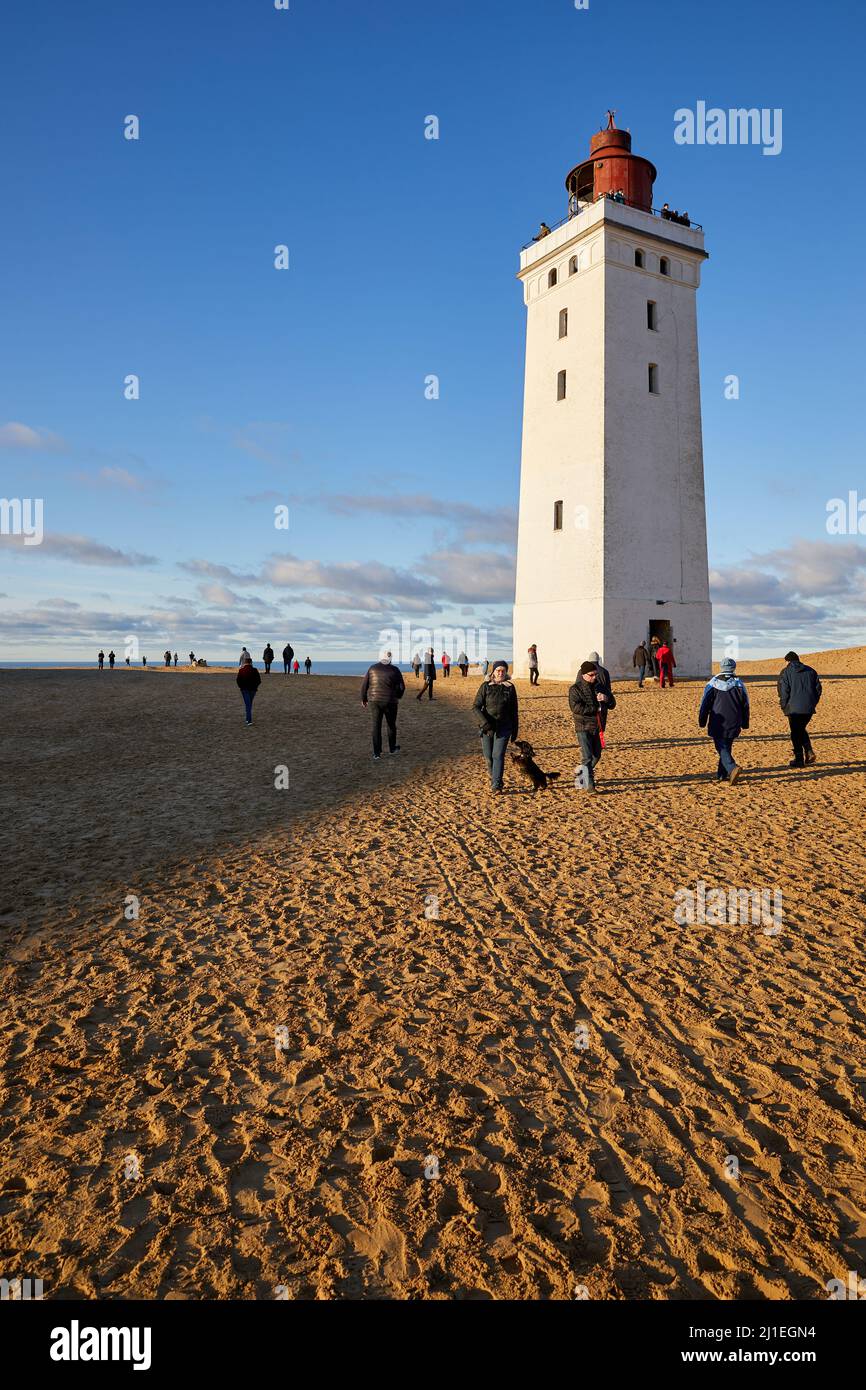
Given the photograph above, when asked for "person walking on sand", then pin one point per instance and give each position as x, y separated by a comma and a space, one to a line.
307, 665
654, 645
533, 665
641, 659
799, 692
244, 657
101, 659
381, 689
175, 658
724, 713
167, 656
288, 653
296, 667
429, 675
496, 704
127, 661
111, 660
667, 661
446, 664
248, 680
463, 664
416, 666
485, 666
267, 658
604, 690
585, 701
192, 658
144, 663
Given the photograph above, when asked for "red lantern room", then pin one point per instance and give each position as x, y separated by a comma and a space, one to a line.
612, 168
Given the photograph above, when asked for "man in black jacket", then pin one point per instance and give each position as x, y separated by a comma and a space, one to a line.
583, 701
603, 688
799, 693
288, 653
381, 688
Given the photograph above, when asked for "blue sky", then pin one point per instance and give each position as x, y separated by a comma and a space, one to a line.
306, 127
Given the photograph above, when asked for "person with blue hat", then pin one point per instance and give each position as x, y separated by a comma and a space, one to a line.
724, 713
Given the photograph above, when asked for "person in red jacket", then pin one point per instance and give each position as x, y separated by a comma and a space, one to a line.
667, 662
249, 681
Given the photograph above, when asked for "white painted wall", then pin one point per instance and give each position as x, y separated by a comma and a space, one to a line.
632, 459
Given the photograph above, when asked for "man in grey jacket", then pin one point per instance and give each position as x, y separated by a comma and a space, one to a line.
381, 689
799, 693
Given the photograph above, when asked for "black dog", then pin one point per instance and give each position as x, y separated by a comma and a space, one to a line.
522, 757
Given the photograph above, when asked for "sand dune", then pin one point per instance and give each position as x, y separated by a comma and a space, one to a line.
437, 959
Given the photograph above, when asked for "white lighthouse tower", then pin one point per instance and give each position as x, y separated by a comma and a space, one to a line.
612, 536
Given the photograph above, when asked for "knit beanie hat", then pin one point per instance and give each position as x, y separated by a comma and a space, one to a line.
728, 666
594, 656
503, 664
587, 666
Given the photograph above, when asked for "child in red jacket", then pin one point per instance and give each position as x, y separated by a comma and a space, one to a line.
667, 662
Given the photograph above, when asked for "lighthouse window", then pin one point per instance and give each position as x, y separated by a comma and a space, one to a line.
563, 323
557, 516
560, 386
652, 315
572, 266
653, 375
551, 280
665, 266
638, 259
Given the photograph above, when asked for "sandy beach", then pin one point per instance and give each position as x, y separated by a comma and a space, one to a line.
335, 991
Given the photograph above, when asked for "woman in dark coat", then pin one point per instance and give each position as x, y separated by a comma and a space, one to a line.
429, 675
496, 704
249, 681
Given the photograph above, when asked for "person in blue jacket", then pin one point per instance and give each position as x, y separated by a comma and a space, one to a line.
724, 713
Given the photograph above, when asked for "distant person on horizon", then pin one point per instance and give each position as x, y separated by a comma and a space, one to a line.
111, 660
799, 692
175, 658
641, 659
381, 689
496, 703
288, 653
463, 664
667, 661
248, 680
127, 661
446, 664
101, 660
267, 658
724, 713
429, 675
244, 657
192, 658
307, 664
143, 662
297, 666
533, 665
167, 656
416, 665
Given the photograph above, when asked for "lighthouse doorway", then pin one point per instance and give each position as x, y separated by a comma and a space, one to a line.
661, 628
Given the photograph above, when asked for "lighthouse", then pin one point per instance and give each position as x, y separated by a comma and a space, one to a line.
612, 534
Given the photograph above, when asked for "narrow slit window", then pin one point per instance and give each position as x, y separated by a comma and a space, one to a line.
563, 323
557, 516
551, 279
652, 315
664, 266
572, 266
653, 378
560, 386
638, 259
